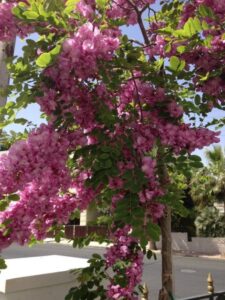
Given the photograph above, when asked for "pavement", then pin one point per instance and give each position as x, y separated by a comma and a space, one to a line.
190, 273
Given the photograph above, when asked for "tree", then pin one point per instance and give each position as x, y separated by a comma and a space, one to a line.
210, 223
6, 52
202, 188
181, 222
208, 184
216, 160
115, 130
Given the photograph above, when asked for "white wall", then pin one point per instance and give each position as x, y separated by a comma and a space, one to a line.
201, 245
39, 278
87, 216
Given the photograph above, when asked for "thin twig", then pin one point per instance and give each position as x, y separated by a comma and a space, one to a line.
137, 95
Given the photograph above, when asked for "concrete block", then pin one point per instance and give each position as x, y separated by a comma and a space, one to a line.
39, 278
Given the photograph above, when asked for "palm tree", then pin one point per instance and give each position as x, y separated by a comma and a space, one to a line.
201, 188
216, 159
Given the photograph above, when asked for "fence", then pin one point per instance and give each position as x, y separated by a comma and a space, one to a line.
210, 296
78, 231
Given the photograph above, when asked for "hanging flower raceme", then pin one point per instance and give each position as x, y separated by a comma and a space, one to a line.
8, 22
124, 253
42, 156
10, 26
33, 215
87, 46
41, 207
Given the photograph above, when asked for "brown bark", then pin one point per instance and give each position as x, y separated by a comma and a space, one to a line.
167, 268
165, 224
6, 51
224, 209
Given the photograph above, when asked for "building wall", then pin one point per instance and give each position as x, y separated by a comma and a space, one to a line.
87, 216
200, 245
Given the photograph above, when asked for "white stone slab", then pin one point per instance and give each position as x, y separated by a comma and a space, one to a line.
39, 278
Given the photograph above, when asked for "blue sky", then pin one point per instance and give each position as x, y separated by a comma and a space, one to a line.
32, 112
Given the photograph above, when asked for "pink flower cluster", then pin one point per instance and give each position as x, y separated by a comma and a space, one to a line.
82, 194
123, 251
138, 91
177, 136
80, 57
42, 157
36, 170
10, 26
149, 195
8, 23
204, 57
158, 47
86, 8
69, 97
216, 5
175, 110
37, 210
87, 46
184, 137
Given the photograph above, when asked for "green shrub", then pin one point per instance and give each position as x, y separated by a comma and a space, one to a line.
210, 223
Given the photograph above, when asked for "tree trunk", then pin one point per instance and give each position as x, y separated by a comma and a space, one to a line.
6, 51
224, 209
167, 269
166, 237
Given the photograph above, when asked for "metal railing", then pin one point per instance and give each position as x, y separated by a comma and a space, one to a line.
210, 296
144, 292
214, 296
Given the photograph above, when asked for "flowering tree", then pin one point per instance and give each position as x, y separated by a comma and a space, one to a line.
115, 128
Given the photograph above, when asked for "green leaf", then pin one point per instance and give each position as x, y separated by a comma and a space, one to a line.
56, 50
176, 64
168, 47
197, 164
206, 11
3, 204
2, 264
191, 27
13, 197
17, 12
181, 49
197, 99
197, 24
149, 254
205, 25
21, 121
206, 77
153, 231
44, 60
70, 6
195, 158
31, 15
208, 40
53, 5
101, 4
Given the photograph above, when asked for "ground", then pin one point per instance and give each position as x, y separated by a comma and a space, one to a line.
190, 272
